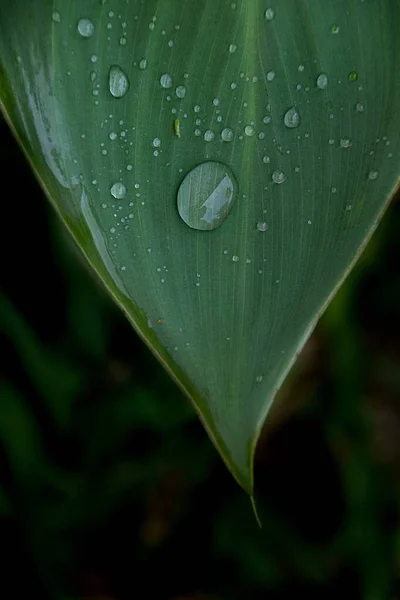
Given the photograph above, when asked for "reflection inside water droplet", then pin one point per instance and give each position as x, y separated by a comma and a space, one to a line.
207, 195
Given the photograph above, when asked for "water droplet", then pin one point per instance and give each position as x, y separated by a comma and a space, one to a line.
266, 159
300, 68
292, 118
206, 196
267, 120
209, 135
123, 41
156, 142
360, 107
345, 143
373, 174
113, 136
85, 27
353, 76
166, 81
235, 258
227, 134
278, 177
262, 226
269, 14
118, 190
118, 82
249, 130
180, 91
143, 64
322, 81
335, 29
56, 16
232, 48
259, 378
271, 75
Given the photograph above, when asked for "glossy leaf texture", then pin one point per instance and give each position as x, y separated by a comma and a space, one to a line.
291, 111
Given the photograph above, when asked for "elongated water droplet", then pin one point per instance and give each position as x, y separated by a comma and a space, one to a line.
322, 81
143, 64
292, 118
118, 190
269, 14
166, 81
232, 48
56, 16
118, 82
206, 196
278, 177
271, 75
85, 27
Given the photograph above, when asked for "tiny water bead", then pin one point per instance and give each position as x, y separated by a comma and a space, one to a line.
271, 75
360, 107
118, 82
227, 134
118, 190
143, 64
322, 81
292, 118
232, 48
278, 177
206, 196
269, 14
262, 226
166, 81
85, 27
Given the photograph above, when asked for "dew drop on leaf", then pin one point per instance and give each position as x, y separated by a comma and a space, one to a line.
269, 14
85, 27
227, 134
373, 175
292, 118
166, 81
206, 196
118, 81
278, 177
322, 81
262, 226
118, 190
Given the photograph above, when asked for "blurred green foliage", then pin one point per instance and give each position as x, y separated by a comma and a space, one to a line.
109, 487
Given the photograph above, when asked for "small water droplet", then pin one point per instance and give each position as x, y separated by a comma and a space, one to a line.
373, 175
235, 258
300, 68
262, 226
335, 29
266, 159
156, 142
249, 130
118, 81
271, 75
259, 378
118, 190
143, 64
206, 196
278, 177
180, 91
123, 41
56, 16
86, 27
232, 48
113, 136
227, 134
292, 118
209, 135
345, 143
353, 76
166, 81
269, 14
322, 81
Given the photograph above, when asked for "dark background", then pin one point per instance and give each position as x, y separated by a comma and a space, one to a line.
110, 488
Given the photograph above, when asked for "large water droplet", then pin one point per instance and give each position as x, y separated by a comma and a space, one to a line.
118, 190
269, 14
85, 27
278, 177
118, 82
292, 118
206, 196
227, 134
166, 81
322, 81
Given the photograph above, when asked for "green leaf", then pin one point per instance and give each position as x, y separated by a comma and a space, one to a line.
299, 103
